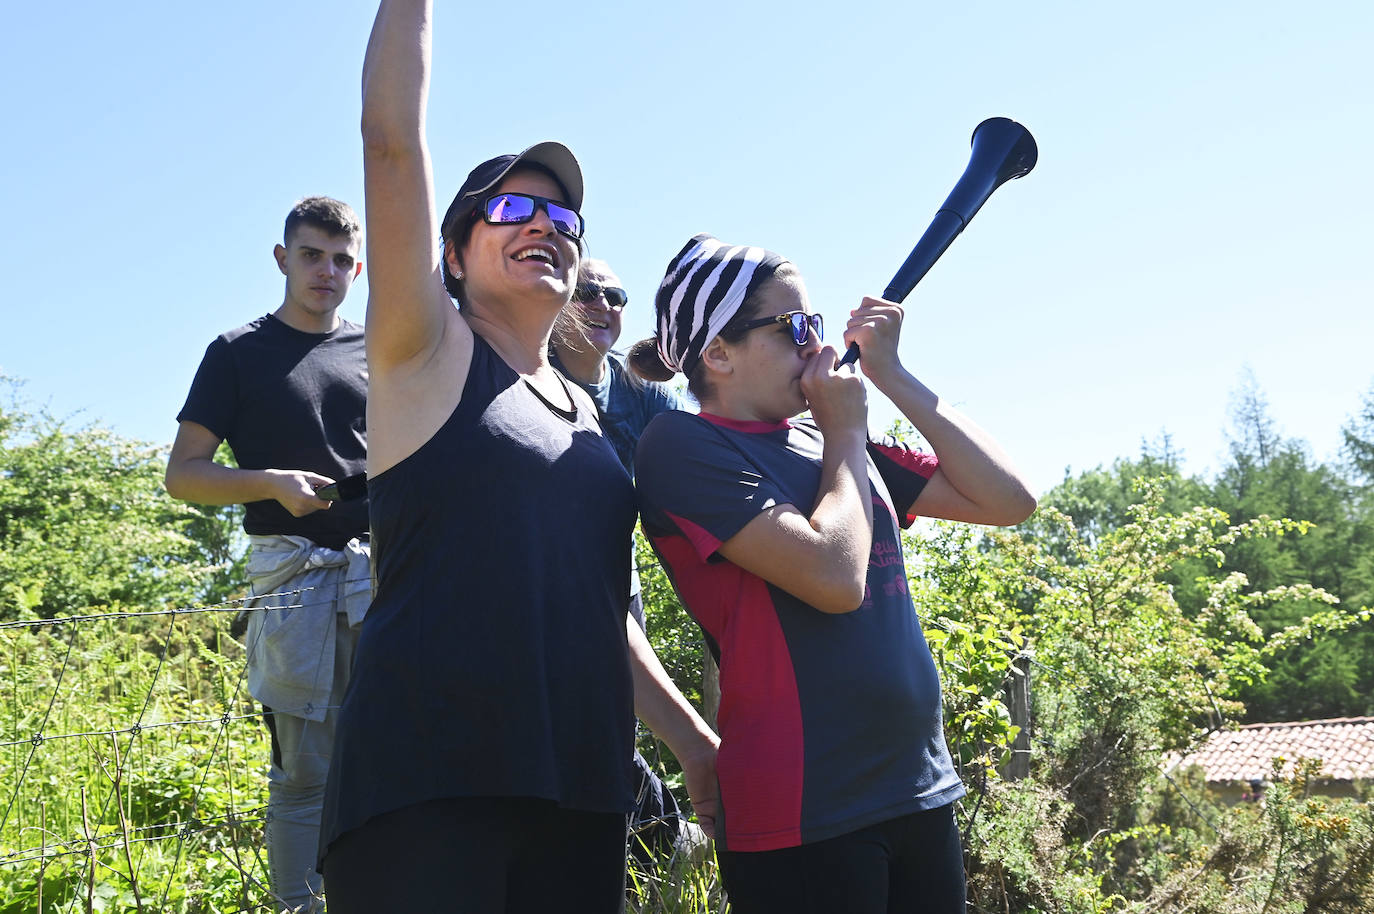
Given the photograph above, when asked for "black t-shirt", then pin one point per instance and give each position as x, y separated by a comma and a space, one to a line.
289, 400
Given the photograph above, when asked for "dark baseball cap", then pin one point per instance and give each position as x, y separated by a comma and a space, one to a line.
555, 157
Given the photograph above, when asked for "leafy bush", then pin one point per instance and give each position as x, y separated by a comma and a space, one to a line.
85, 522
1122, 675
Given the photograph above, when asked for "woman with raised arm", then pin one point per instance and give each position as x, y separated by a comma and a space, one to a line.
781, 538
483, 758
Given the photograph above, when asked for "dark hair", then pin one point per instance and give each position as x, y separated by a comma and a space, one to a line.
459, 227
326, 213
645, 361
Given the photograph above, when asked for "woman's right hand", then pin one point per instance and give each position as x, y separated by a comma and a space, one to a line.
838, 399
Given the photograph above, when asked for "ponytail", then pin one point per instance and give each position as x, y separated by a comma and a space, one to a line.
646, 363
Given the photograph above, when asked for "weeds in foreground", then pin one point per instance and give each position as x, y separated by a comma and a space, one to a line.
678, 885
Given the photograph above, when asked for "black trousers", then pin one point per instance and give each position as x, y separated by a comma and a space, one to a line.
480, 855
913, 864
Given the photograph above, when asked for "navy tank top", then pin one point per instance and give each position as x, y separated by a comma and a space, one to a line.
493, 661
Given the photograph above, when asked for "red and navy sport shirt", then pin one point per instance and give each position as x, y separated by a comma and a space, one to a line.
828, 722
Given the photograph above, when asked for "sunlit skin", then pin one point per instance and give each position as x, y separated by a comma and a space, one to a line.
420, 348
582, 343
495, 277
319, 267
766, 377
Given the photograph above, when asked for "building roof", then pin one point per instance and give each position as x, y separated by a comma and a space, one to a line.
1344, 744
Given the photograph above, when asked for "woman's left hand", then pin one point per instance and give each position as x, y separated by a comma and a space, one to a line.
699, 775
876, 326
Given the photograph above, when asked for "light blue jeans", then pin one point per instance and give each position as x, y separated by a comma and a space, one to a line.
300, 766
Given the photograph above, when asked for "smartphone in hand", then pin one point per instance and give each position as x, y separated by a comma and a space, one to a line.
350, 488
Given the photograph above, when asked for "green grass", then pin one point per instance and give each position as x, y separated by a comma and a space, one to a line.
167, 818
135, 775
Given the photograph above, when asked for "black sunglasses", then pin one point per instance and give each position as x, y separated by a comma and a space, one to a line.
514, 209
802, 324
587, 292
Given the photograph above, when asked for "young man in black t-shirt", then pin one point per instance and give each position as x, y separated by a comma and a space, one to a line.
288, 391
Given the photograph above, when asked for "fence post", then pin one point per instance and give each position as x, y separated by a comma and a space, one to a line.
1018, 698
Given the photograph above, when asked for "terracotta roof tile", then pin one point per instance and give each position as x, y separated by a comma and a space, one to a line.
1345, 745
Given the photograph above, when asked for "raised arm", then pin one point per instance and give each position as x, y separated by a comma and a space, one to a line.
976, 481
407, 307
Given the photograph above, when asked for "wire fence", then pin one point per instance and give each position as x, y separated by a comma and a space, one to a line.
129, 744
133, 760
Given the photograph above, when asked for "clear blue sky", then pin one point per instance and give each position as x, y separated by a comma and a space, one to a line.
1202, 203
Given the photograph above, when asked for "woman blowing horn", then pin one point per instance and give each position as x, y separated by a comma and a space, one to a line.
781, 538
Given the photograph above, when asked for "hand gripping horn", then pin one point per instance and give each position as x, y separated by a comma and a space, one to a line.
1002, 150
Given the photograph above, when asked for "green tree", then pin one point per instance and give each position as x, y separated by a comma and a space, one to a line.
85, 522
1099, 501
1269, 475
1358, 453
1123, 676
1358, 435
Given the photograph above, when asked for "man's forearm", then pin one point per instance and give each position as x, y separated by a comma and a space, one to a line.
201, 480
204, 482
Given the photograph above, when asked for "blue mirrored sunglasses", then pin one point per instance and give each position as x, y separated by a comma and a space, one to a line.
513, 209
802, 324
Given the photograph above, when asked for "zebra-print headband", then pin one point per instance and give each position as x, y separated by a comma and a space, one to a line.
705, 285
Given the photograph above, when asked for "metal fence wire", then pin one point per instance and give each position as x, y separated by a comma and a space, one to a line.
133, 761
